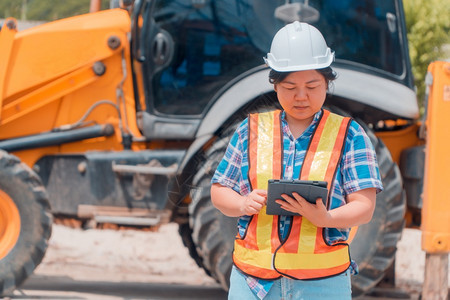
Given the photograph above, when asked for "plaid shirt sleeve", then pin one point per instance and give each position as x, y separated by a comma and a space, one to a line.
229, 171
359, 163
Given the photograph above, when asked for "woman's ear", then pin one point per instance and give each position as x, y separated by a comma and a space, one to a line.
275, 88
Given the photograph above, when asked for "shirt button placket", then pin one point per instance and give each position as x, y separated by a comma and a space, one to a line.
290, 162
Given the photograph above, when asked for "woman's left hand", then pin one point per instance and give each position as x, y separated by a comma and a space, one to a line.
315, 213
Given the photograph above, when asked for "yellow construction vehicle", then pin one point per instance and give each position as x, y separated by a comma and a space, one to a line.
120, 117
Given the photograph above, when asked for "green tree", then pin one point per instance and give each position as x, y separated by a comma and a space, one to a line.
45, 10
428, 27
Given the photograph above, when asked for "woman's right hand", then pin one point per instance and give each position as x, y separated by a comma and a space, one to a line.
253, 202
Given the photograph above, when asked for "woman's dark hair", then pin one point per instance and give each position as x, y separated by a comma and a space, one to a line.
328, 73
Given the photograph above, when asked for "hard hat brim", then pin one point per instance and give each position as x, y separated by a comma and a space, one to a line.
283, 66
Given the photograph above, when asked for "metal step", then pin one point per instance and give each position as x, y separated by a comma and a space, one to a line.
131, 221
154, 167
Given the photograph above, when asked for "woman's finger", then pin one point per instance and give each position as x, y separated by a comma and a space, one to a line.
288, 198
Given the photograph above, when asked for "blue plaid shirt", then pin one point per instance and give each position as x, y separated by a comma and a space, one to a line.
358, 170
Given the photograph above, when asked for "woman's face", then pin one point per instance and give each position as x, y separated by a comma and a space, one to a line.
302, 94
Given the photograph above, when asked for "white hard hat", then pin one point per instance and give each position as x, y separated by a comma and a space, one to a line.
298, 47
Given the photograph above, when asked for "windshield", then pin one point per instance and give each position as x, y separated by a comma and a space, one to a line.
217, 40
366, 32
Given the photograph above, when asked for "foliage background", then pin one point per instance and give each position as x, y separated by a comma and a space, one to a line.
428, 28
427, 23
45, 10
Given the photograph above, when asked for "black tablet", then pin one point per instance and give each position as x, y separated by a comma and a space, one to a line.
310, 190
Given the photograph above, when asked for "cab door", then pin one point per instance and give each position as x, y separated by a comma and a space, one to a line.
187, 52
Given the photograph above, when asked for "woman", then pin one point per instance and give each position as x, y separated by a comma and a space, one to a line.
304, 256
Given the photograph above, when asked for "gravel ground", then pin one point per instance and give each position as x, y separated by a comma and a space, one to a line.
160, 257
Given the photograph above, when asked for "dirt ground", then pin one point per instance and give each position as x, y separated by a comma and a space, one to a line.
160, 257
122, 255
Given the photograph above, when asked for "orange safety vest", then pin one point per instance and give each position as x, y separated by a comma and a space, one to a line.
304, 254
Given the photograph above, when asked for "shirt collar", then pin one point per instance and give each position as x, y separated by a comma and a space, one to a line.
308, 132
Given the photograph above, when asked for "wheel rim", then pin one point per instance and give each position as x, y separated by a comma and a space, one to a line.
9, 224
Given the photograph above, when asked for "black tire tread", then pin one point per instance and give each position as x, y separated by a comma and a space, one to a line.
21, 266
211, 245
393, 199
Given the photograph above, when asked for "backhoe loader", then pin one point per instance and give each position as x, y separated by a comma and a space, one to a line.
120, 117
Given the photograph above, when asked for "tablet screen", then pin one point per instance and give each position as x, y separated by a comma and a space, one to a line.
310, 190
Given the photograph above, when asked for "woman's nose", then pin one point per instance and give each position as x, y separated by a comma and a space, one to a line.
300, 93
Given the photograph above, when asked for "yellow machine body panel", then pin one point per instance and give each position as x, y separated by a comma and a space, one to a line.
59, 71
436, 196
399, 140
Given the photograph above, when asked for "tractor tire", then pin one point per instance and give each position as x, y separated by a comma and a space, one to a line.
185, 233
212, 232
25, 222
375, 244
373, 247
